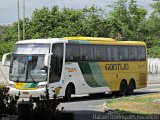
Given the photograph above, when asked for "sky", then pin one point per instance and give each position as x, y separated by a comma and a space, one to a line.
9, 14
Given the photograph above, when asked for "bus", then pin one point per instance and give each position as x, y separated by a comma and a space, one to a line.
76, 65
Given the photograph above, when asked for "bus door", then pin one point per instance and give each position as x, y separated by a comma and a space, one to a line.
55, 66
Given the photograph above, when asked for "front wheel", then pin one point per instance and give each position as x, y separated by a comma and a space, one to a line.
68, 93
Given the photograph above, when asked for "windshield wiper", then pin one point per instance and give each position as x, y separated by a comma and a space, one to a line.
18, 78
31, 76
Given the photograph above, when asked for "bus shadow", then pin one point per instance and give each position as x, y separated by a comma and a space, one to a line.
104, 96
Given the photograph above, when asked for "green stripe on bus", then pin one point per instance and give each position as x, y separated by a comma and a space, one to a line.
78, 42
92, 74
30, 85
97, 74
87, 74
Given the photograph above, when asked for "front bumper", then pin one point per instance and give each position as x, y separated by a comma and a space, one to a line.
27, 93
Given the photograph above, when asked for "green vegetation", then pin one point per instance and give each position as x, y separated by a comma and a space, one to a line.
126, 21
146, 104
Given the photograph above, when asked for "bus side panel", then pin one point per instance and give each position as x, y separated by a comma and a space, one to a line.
86, 76
115, 72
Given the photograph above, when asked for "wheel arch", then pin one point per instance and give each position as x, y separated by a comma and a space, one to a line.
72, 85
124, 81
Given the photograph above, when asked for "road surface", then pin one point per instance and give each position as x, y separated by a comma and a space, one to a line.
95, 103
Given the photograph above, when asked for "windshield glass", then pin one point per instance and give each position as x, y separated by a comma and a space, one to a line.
36, 70
28, 68
18, 68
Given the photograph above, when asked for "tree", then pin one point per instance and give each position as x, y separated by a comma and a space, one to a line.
156, 7
124, 20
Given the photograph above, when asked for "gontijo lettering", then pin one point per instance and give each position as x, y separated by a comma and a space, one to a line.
124, 66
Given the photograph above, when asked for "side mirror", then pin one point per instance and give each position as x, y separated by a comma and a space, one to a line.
4, 58
46, 60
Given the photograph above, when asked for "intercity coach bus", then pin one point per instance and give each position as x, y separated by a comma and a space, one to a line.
77, 65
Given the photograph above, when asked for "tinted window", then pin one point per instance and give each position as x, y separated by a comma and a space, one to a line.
75, 52
115, 53
109, 53
72, 52
123, 53
56, 63
141, 53
112, 53
132, 53
86, 52
100, 53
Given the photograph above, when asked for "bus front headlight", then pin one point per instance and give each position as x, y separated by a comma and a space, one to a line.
12, 86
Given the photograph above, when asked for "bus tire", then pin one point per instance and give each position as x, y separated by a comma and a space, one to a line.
131, 87
68, 93
123, 88
115, 93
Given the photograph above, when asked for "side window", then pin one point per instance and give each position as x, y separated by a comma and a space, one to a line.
112, 53
100, 52
72, 52
141, 53
133, 53
109, 53
115, 55
56, 63
123, 53
86, 52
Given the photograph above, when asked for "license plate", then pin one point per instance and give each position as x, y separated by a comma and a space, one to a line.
25, 93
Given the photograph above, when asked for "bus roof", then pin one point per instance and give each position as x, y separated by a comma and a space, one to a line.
81, 40
90, 39
98, 40
43, 41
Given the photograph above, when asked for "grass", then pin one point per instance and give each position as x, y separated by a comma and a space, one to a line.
146, 104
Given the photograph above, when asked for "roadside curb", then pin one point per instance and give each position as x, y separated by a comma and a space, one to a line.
105, 108
108, 110
153, 84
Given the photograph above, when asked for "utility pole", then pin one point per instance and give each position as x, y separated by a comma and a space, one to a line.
18, 22
23, 19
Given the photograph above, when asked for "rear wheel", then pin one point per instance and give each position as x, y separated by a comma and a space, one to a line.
115, 93
131, 87
123, 88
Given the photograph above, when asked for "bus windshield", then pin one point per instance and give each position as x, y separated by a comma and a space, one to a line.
28, 68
